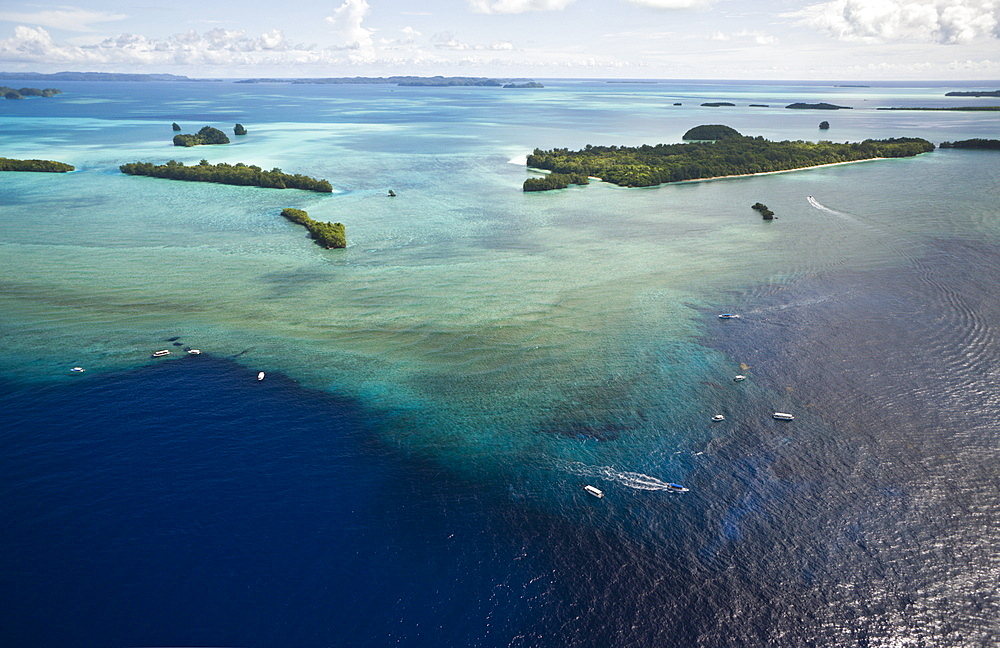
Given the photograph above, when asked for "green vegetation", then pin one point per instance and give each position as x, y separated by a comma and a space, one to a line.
239, 130
766, 213
46, 166
958, 108
711, 132
176, 127
974, 93
977, 143
329, 235
555, 181
646, 165
11, 93
817, 106
206, 135
232, 174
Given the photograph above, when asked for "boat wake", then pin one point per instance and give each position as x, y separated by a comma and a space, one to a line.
638, 481
820, 206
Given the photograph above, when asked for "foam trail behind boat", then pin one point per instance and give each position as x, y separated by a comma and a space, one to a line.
638, 481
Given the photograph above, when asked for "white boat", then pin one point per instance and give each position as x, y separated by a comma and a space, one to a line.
77, 370
728, 316
718, 417
739, 377
161, 353
594, 490
194, 352
782, 416
260, 375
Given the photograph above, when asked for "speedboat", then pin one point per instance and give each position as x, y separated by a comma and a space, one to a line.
718, 417
729, 316
194, 352
77, 370
677, 488
739, 377
782, 416
260, 375
161, 353
594, 490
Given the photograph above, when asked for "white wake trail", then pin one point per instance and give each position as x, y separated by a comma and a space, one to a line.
638, 481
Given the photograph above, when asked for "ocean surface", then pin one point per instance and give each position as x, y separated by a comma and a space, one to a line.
410, 471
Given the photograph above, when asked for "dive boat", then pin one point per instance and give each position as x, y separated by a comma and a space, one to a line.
729, 316
161, 353
782, 416
677, 488
194, 352
718, 417
739, 377
594, 490
77, 369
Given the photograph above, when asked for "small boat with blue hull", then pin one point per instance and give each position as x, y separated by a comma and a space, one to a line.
677, 488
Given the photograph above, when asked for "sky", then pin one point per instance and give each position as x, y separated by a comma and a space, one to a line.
666, 39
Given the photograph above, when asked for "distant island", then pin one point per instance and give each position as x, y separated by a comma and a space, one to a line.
710, 132
412, 81
21, 93
231, 174
759, 106
329, 235
956, 108
529, 84
239, 130
44, 166
92, 76
717, 104
206, 135
974, 93
817, 106
645, 166
977, 143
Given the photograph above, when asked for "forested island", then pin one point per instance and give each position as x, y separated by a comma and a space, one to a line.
710, 132
329, 235
817, 106
717, 104
519, 86
21, 93
646, 165
973, 93
976, 143
762, 209
232, 174
44, 166
206, 135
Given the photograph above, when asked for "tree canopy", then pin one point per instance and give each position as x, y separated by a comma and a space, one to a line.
711, 132
206, 135
329, 235
46, 166
232, 174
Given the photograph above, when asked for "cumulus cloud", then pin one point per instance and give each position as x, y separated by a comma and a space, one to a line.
756, 37
67, 18
216, 47
447, 41
517, 6
944, 21
346, 21
668, 4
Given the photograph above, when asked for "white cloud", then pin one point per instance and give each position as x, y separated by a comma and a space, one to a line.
517, 6
67, 18
668, 4
944, 21
346, 21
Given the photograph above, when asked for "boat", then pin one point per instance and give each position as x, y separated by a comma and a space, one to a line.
782, 416
77, 369
718, 417
260, 375
729, 316
161, 353
594, 490
677, 488
739, 377
194, 352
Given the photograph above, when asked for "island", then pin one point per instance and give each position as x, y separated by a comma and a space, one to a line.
817, 106
11, 93
44, 166
824, 125
760, 105
974, 93
646, 166
762, 209
717, 104
239, 130
710, 132
529, 84
555, 181
976, 143
411, 81
206, 135
232, 174
176, 127
329, 235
